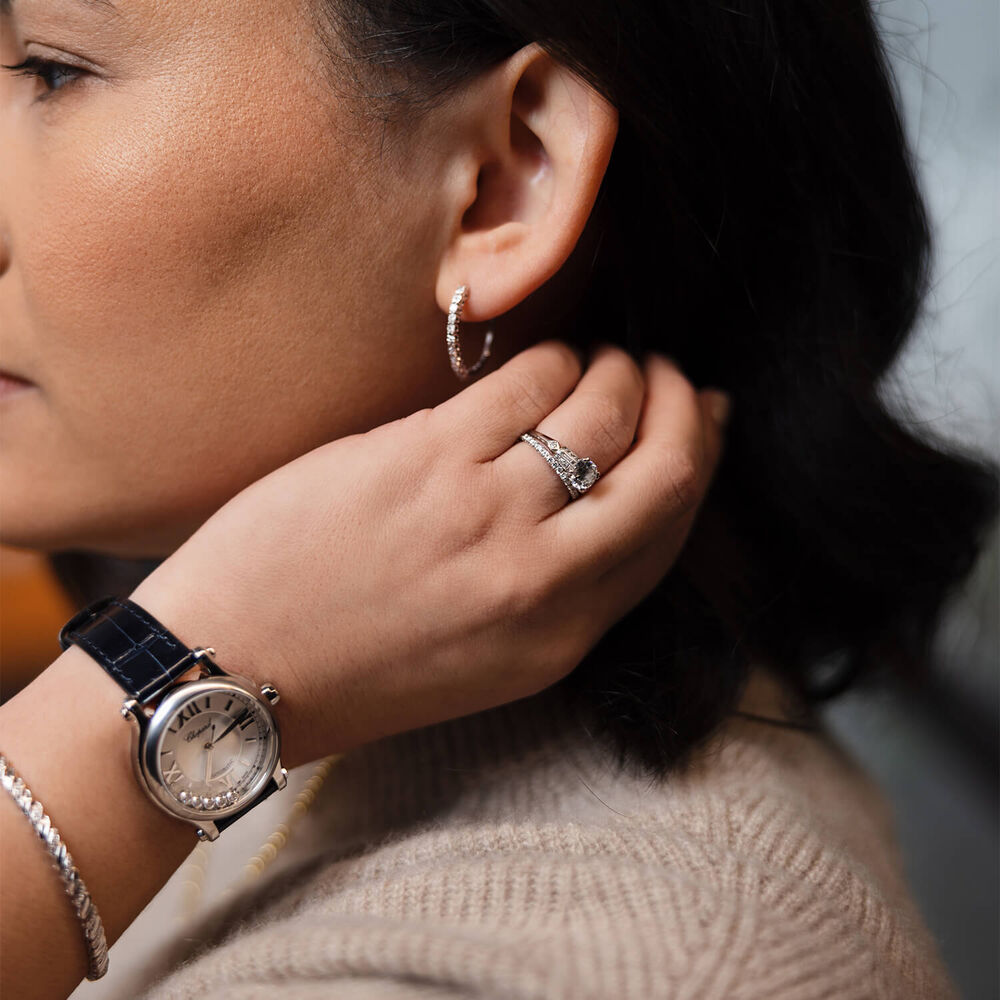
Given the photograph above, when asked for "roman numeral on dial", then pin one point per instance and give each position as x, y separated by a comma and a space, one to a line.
192, 710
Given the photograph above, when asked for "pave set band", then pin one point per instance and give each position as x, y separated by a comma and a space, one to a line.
577, 474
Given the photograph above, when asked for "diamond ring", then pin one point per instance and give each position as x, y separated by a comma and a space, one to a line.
578, 474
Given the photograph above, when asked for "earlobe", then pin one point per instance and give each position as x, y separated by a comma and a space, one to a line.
541, 139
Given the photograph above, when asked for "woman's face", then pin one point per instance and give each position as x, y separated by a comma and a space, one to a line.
207, 267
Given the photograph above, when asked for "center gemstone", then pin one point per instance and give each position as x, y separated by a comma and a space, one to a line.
584, 474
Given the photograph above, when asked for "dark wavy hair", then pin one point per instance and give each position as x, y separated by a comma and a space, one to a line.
760, 222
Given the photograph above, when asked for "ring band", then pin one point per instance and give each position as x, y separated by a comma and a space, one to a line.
577, 474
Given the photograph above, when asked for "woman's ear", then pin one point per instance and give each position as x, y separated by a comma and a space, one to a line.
534, 142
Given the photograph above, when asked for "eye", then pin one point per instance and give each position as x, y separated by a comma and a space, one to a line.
54, 75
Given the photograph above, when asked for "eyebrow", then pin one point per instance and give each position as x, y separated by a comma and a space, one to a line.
105, 6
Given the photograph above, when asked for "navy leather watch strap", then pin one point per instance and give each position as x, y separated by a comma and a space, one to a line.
131, 645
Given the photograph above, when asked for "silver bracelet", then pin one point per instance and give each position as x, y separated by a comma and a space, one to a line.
83, 905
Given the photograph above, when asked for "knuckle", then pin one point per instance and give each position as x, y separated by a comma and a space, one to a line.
422, 421
681, 479
539, 377
610, 424
424, 459
418, 422
525, 391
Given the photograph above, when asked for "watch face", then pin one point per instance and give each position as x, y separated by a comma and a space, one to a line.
214, 749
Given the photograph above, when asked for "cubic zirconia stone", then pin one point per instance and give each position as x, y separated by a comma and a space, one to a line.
584, 474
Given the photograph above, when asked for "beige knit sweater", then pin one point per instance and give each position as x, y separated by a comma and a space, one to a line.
502, 855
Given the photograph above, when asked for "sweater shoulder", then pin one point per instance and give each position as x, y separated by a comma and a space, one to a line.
766, 871
563, 910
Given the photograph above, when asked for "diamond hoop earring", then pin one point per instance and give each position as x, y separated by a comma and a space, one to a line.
458, 301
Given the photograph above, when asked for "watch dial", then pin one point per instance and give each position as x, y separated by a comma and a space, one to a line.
214, 750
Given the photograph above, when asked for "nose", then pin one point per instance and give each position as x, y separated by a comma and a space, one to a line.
4, 254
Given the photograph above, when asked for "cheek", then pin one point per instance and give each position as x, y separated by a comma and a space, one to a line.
171, 289
139, 233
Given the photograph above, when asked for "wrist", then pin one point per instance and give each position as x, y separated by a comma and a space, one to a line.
65, 734
199, 616
239, 644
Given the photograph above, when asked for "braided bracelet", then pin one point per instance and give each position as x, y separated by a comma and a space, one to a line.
83, 905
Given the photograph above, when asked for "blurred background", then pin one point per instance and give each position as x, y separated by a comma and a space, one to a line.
937, 757
935, 754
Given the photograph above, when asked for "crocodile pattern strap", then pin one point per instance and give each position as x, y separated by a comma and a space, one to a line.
131, 645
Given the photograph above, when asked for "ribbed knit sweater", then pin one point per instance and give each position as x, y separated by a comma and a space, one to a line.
504, 856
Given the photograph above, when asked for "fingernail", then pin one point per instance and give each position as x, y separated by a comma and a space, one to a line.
719, 404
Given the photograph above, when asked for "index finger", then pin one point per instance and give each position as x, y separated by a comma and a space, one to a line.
492, 413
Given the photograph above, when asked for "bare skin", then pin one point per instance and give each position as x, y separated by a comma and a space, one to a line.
204, 220
313, 606
229, 309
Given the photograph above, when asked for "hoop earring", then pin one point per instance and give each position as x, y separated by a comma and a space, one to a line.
458, 301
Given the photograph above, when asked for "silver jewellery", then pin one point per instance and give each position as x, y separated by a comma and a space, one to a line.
458, 301
578, 474
83, 905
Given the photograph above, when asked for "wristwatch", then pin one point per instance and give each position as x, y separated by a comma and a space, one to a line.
205, 750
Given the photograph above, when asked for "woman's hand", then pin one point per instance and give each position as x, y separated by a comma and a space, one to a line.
430, 568
434, 566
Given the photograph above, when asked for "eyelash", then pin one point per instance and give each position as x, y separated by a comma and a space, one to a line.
38, 67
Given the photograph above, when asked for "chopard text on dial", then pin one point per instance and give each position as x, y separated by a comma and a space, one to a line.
206, 749
210, 748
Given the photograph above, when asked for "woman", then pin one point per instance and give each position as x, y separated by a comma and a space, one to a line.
231, 233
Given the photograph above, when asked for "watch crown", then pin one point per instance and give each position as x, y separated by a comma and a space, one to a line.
270, 692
